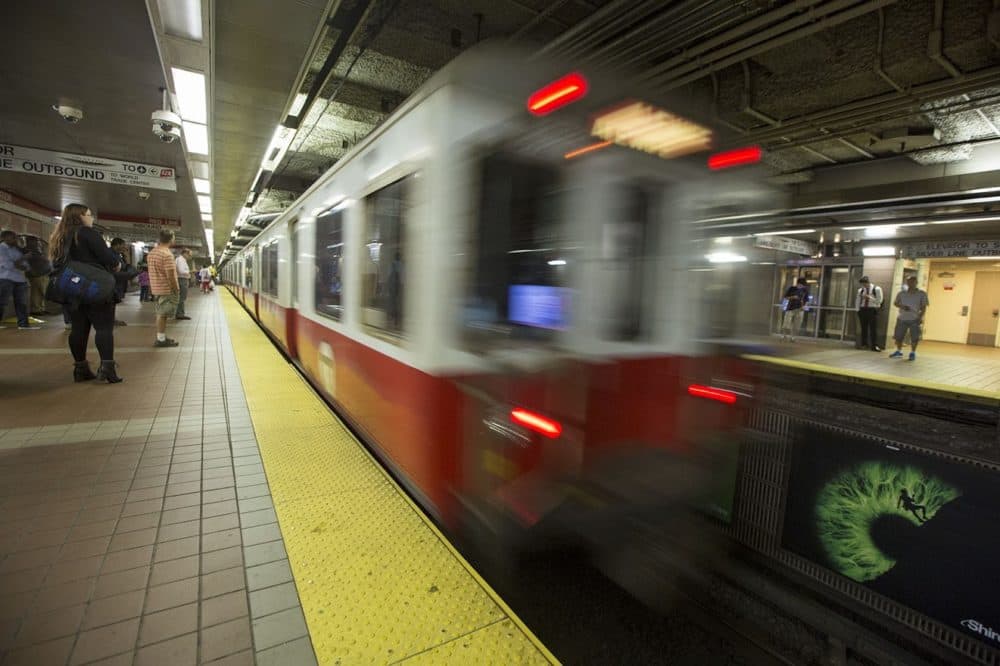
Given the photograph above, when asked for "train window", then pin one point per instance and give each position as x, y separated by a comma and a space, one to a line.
269, 269
625, 244
329, 266
384, 261
521, 258
248, 269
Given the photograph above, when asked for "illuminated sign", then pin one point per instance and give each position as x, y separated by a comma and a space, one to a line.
644, 127
85, 167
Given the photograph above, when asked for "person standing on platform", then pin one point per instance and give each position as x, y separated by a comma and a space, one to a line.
12, 280
163, 285
184, 281
37, 273
912, 304
143, 279
205, 277
796, 298
75, 238
122, 276
868, 302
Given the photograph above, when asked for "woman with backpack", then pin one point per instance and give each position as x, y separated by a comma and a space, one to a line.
75, 239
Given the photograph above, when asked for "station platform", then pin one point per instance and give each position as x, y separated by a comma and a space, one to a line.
212, 509
940, 368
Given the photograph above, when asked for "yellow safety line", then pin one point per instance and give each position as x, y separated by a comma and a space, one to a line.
914, 385
377, 580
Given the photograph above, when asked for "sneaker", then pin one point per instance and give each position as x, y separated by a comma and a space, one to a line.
29, 328
896, 354
69, 327
182, 317
169, 342
913, 356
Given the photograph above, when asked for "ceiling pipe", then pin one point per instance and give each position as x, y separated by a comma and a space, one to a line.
583, 47
541, 16
935, 42
766, 40
599, 17
879, 58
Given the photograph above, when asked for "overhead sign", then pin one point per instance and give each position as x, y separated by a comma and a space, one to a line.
84, 167
952, 249
792, 245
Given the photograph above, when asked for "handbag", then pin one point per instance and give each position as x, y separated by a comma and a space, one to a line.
76, 282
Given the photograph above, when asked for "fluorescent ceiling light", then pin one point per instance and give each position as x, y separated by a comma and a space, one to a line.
892, 225
297, 104
963, 220
277, 148
182, 18
982, 258
651, 130
882, 231
190, 89
210, 236
557, 262
206, 217
725, 257
205, 203
879, 251
786, 233
202, 186
196, 138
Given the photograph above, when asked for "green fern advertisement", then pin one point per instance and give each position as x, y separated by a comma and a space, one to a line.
921, 529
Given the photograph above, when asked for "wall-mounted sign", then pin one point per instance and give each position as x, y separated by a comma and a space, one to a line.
920, 529
952, 249
792, 245
84, 167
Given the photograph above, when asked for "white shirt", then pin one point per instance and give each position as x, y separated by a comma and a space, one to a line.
873, 294
183, 270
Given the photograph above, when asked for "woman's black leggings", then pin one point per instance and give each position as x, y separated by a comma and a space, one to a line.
102, 318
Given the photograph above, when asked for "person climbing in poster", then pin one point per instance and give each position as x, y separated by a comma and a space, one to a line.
908, 503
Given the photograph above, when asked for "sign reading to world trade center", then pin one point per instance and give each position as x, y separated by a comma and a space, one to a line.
84, 167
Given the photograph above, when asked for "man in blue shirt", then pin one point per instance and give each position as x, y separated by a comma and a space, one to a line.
12, 280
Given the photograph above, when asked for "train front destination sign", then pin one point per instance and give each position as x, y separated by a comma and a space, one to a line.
85, 167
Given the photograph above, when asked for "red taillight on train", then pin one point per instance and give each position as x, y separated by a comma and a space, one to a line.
536, 422
735, 158
557, 94
712, 393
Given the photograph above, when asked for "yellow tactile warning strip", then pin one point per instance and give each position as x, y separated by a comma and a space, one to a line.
913, 385
378, 582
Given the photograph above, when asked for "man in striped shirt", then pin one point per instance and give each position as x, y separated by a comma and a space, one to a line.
163, 285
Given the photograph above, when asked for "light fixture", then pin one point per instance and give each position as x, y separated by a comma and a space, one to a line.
202, 186
182, 18
190, 89
787, 232
881, 231
964, 220
735, 158
557, 94
277, 148
879, 251
982, 258
297, 104
206, 217
725, 257
557, 262
196, 138
205, 203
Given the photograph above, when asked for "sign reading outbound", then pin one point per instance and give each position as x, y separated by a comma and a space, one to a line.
83, 167
793, 245
958, 249
919, 529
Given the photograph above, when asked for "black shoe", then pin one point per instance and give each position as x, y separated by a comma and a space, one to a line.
182, 317
108, 372
119, 322
169, 342
81, 372
876, 349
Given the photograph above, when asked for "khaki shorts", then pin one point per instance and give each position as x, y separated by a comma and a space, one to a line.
166, 305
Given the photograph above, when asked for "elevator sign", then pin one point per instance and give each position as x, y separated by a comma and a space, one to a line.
84, 167
952, 249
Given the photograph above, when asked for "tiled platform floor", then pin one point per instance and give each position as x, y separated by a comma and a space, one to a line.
136, 525
959, 366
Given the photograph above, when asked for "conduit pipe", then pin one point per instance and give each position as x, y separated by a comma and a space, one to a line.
879, 59
766, 41
935, 42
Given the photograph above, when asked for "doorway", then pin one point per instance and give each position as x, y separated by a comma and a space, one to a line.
985, 311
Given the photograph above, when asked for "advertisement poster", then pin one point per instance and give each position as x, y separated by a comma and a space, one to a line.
919, 529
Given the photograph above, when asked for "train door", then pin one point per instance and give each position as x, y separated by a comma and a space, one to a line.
291, 319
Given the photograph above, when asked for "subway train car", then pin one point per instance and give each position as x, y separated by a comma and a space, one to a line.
492, 289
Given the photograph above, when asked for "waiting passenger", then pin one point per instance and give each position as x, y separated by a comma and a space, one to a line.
75, 238
183, 281
143, 280
912, 303
13, 281
868, 302
163, 285
37, 273
123, 276
796, 298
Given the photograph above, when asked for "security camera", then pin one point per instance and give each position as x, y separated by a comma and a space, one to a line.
70, 114
167, 134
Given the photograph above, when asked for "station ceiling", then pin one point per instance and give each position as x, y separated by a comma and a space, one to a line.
869, 96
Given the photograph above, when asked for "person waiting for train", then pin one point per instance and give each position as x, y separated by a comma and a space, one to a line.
796, 298
912, 303
13, 283
868, 301
906, 502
